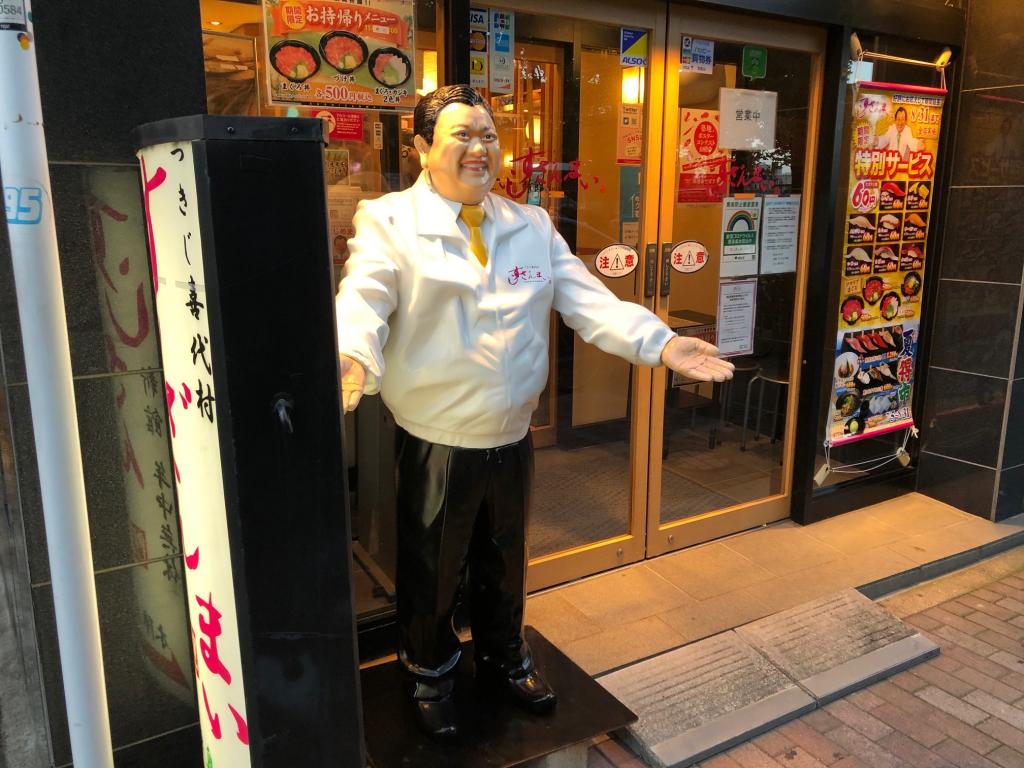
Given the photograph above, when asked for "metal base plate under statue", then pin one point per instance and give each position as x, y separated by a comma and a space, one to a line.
495, 732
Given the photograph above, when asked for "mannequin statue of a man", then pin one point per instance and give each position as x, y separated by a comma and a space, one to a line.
444, 309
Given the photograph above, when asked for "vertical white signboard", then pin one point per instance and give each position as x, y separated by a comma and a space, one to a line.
176, 253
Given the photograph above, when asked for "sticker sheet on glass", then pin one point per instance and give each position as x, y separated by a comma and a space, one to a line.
741, 219
894, 139
629, 136
629, 205
755, 62
689, 256
616, 260
172, 220
737, 310
697, 55
325, 53
633, 47
479, 20
502, 32
703, 167
779, 232
336, 166
342, 201
342, 124
747, 118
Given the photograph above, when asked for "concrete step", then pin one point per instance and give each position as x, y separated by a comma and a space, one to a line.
706, 697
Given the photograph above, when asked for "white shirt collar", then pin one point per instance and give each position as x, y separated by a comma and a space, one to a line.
455, 206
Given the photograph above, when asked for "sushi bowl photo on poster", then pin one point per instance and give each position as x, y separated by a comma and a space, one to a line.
873, 383
341, 54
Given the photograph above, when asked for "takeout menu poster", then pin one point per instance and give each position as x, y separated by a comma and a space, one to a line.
294, 16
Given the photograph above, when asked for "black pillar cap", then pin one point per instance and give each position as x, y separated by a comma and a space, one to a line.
192, 127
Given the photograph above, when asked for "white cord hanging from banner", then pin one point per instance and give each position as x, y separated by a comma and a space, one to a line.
868, 465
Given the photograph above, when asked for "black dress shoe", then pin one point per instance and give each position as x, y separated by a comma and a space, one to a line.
434, 709
524, 682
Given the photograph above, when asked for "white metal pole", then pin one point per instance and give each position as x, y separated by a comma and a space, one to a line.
44, 332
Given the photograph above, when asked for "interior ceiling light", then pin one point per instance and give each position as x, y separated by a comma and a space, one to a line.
214, 23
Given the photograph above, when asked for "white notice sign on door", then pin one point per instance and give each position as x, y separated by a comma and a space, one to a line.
737, 301
779, 228
747, 119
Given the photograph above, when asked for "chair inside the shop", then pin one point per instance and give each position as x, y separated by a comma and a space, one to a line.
769, 363
772, 368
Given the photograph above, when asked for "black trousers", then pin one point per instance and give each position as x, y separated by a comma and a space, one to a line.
461, 535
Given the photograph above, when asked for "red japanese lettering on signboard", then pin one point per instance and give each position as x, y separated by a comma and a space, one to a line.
210, 629
319, 16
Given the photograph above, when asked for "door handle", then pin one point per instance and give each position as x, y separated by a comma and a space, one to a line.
666, 269
650, 270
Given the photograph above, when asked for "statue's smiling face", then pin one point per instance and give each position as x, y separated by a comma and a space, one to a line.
464, 158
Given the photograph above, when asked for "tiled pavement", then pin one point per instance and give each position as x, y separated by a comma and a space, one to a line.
963, 709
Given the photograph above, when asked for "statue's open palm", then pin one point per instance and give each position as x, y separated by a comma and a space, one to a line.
696, 359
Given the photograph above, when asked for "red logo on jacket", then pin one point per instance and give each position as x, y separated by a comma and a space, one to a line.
531, 274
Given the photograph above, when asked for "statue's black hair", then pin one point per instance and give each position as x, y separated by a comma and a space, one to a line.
429, 107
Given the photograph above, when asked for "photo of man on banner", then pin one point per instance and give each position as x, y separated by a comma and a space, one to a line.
899, 136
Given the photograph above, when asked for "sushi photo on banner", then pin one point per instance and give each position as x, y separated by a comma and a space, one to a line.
331, 54
894, 143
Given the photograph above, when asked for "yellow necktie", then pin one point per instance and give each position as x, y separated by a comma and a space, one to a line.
473, 215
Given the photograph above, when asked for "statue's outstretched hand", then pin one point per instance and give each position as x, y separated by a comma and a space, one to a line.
696, 359
353, 379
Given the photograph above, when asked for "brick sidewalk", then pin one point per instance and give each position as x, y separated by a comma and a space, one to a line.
963, 709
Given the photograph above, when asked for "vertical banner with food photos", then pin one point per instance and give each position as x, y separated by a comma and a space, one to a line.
324, 53
894, 143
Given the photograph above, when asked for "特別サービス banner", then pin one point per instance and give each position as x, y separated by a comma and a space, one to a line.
894, 143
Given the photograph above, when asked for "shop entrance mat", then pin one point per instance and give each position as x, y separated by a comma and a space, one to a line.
706, 697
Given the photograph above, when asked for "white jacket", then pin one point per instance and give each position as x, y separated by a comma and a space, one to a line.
459, 352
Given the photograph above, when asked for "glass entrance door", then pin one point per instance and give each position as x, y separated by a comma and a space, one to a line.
575, 129
701, 219
737, 172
